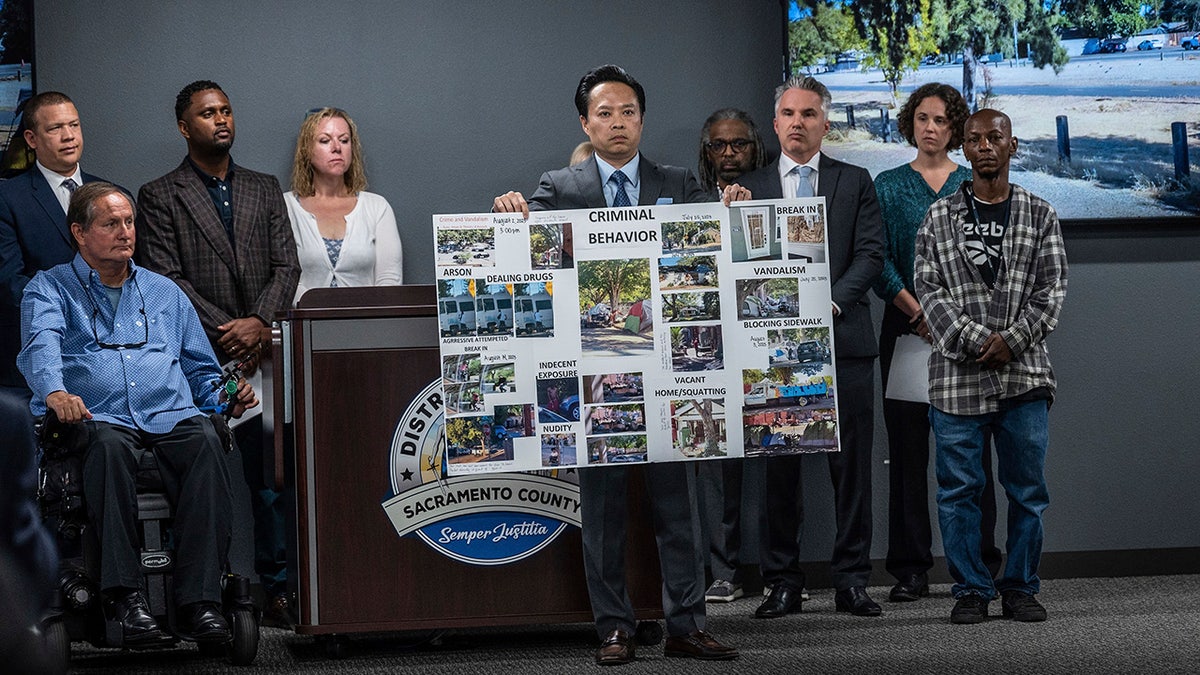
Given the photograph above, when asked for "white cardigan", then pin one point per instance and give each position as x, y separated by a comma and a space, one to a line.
371, 253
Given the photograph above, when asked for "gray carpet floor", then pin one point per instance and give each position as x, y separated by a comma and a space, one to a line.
1116, 625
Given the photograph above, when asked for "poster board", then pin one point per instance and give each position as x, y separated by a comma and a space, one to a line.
636, 334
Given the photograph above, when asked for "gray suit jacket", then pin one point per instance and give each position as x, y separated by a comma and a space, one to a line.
181, 236
578, 187
604, 488
854, 233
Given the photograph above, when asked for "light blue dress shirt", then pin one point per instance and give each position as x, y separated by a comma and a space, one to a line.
633, 188
150, 387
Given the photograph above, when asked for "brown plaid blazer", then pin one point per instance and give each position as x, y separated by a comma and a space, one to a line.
181, 236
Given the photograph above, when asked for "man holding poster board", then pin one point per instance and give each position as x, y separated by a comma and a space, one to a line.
611, 106
855, 243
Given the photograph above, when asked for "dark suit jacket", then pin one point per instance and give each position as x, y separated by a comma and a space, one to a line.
578, 187
854, 234
33, 236
181, 236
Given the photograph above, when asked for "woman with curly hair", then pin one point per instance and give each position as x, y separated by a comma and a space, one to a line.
932, 120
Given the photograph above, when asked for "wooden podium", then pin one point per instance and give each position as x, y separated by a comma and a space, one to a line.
347, 364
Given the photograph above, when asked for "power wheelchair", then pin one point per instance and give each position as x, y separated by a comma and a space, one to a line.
77, 611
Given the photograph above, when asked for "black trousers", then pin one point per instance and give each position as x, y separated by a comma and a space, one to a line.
910, 537
195, 478
268, 507
850, 471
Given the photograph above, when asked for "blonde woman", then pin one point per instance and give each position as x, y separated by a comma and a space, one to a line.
345, 236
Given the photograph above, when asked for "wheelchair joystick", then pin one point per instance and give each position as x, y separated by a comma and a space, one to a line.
227, 384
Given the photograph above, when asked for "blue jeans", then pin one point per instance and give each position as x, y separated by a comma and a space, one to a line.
1021, 434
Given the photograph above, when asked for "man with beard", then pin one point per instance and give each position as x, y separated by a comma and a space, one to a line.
221, 232
730, 146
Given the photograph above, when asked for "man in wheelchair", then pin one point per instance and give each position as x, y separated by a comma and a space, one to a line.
121, 351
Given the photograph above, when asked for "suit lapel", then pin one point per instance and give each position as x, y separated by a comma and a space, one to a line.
196, 200
44, 195
245, 202
827, 179
587, 181
651, 182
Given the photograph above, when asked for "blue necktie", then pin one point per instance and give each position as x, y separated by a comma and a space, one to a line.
804, 189
70, 185
620, 198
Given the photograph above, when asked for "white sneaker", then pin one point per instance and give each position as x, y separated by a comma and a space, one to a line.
723, 591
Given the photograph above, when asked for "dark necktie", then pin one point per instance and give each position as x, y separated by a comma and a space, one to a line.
620, 198
70, 185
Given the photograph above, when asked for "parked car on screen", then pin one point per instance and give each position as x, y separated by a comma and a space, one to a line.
1152, 42
1112, 45
1192, 42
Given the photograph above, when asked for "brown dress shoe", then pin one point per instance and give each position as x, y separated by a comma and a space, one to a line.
616, 650
698, 645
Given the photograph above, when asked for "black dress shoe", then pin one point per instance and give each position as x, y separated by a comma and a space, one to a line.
911, 587
133, 612
698, 645
856, 601
782, 600
203, 622
616, 650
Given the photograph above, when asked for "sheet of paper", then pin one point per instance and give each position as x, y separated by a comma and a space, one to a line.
908, 378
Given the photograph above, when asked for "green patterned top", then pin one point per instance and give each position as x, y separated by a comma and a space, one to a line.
904, 197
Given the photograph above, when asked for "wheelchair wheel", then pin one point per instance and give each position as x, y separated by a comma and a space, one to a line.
244, 647
57, 645
648, 633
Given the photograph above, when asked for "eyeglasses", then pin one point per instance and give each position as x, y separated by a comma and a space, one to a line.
128, 345
738, 145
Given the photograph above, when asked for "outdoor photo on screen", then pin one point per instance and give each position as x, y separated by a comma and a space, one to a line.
1103, 95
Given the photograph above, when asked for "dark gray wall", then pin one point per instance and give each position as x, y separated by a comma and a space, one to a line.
456, 102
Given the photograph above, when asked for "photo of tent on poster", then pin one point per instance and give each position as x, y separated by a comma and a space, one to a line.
615, 316
771, 298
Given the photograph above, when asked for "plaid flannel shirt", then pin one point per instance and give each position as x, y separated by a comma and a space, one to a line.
962, 311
